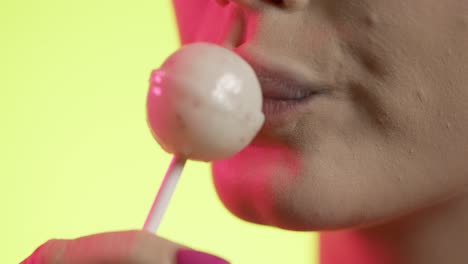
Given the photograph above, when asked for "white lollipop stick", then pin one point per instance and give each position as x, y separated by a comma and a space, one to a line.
164, 194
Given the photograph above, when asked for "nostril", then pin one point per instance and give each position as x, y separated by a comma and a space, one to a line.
279, 3
288, 4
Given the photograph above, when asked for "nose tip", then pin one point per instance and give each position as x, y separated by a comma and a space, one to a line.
295, 4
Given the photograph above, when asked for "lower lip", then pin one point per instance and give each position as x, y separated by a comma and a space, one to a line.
282, 110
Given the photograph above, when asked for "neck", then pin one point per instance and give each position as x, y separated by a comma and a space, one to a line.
435, 235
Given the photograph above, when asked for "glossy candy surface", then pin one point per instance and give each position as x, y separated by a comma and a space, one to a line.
204, 103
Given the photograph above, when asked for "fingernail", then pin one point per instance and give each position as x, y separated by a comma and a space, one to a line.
187, 256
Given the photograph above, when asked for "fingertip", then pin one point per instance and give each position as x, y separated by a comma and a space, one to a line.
49, 252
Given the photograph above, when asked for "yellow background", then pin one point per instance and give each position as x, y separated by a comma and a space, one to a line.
76, 154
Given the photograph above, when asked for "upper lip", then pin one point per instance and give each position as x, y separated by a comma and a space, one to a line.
280, 82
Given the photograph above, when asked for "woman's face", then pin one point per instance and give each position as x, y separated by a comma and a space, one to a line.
387, 133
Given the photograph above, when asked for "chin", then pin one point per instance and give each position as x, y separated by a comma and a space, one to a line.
262, 185
273, 199
271, 186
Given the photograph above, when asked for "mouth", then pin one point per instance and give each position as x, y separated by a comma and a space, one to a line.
287, 92
283, 95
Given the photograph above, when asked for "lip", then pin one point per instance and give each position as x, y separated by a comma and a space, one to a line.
287, 91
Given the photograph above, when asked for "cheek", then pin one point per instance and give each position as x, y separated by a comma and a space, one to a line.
195, 20
247, 183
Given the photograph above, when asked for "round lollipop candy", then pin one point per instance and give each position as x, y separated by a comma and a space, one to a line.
204, 103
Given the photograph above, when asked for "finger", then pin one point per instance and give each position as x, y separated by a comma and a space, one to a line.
39, 256
115, 247
128, 247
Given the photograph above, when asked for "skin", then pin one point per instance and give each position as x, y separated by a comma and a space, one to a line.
382, 156
378, 163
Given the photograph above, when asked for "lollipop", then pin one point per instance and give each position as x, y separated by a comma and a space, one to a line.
204, 103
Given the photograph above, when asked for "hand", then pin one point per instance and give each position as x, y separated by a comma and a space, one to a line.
127, 247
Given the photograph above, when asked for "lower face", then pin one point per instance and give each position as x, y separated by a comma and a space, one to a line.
387, 138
